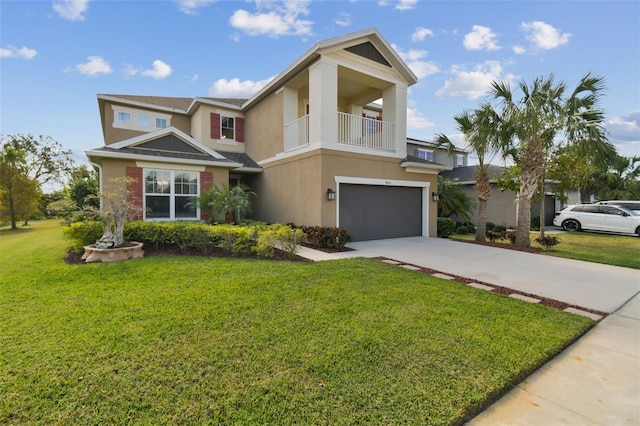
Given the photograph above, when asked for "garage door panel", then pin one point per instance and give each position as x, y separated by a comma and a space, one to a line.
372, 212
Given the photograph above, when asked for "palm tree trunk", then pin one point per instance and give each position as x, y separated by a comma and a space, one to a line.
481, 231
528, 187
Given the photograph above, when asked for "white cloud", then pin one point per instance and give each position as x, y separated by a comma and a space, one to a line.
625, 128
20, 53
344, 19
190, 7
421, 33
406, 4
159, 71
475, 83
94, 66
274, 18
414, 60
480, 38
415, 120
235, 88
519, 50
73, 10
543, 35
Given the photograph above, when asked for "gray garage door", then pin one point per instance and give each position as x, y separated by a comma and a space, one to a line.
373, 212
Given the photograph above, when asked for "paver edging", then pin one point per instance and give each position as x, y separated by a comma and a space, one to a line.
556, 304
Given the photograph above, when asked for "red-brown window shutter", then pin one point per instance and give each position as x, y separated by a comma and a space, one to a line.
239, 129
215, 126
134, 197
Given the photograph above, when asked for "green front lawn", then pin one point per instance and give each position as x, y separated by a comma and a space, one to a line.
191, 340
610, 249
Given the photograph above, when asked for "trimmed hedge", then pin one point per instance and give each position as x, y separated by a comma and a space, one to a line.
255, 238
446, 227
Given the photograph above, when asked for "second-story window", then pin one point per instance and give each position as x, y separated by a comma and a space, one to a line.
459, 160
226, 127
123, 117
425, 154
161, 123
143, 120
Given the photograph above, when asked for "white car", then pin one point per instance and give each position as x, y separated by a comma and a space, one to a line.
598, 217
630, 204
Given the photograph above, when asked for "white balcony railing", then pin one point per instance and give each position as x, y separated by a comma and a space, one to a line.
296, 134
352, 130
365, 132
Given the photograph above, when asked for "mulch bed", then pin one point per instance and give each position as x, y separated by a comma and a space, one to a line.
74, 258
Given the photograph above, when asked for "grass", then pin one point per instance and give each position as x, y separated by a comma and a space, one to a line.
227, 341
610, 249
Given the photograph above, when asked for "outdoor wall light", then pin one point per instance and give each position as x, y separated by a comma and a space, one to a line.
435, 196
331, 194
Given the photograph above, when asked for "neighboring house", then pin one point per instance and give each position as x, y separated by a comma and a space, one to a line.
502, 207
310, 144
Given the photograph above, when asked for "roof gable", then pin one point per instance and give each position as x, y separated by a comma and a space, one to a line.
170, 143
369, 51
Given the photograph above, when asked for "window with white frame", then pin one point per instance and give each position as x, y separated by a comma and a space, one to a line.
143, 121
425, 154
459, 160
169, 194
227, 127
161, 123
123, 117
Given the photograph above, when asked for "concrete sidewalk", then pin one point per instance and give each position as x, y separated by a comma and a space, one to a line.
594, 381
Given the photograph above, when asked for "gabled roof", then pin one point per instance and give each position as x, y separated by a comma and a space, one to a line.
412, 161
344, 41
467, 175
171, 145
371, 39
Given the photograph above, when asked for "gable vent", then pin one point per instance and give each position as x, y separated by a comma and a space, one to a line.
368, 50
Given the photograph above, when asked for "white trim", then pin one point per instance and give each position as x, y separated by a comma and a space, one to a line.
380, 182
164, 132
141, 104
169, 166
387, 182
116, 154
134, 114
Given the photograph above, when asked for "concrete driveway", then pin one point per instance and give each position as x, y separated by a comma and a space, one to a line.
594, 381
601, 287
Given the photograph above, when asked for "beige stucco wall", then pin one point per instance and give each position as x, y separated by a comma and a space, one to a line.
201, 129
113, 135
295, 189
264, 128
113, 169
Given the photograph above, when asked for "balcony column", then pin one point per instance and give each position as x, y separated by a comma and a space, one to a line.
323, 103
290, 105
394, 110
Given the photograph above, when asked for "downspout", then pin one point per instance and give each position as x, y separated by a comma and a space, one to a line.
99, 167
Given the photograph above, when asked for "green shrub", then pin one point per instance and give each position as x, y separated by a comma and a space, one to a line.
82, 233
547, 241
490, 226
534, 225
499, 228
326, 237
290, 238
462, 230
152, 234
446, 226
234, 239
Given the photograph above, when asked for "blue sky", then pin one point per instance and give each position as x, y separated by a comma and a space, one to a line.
56, 56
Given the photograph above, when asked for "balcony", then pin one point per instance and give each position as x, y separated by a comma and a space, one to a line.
352, 130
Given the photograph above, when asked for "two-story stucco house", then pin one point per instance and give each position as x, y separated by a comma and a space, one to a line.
310, 144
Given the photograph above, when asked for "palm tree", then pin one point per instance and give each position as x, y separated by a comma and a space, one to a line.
453, 201
532, 125
227, 203
479, 128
